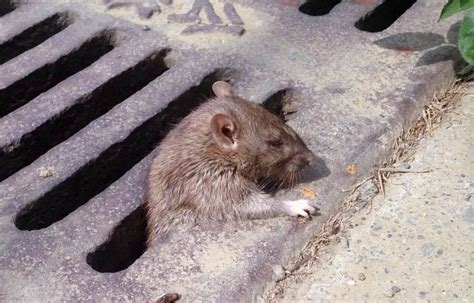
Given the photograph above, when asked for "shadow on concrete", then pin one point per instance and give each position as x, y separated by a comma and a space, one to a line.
315, 172
412, 41
453, 33
437, 48
441, 54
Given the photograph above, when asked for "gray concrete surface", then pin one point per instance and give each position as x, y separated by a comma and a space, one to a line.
356, 91
416, 245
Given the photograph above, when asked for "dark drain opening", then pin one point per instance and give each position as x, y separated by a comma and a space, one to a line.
128, 240
43, 79
281, 104
126, 244
384, 15
6, 7
90, 107
34, 36
318, 7
97, 175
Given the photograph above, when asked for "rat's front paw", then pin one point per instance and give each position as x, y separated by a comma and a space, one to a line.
298, 208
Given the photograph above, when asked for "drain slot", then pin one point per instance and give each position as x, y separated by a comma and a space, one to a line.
98, 174
281, 104
318, 7
33, 36
6, 7
89, 108
126, 244
43, 79
383, 15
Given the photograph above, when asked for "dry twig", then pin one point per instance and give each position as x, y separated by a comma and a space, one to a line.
403, 170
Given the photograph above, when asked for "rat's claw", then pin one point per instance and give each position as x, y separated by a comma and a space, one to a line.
299, 208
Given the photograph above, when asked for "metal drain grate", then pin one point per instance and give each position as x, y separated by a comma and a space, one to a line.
48, 76
86, 95
85, 110
379, 19
111, 163
6, 6
34, 36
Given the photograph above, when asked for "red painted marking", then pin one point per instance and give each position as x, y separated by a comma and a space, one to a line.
403, 49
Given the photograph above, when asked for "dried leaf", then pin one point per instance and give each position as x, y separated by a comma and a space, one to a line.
46, 171
308, 192
351, 169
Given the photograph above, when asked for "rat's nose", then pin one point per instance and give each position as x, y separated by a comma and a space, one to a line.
309, 158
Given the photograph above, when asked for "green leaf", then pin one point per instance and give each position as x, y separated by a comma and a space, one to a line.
455, 6
466, 37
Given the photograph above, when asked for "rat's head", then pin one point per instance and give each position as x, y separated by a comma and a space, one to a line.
262, 146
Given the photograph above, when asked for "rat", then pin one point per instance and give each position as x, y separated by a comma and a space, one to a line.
214, 165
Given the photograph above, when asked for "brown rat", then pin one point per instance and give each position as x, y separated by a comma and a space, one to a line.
214, 164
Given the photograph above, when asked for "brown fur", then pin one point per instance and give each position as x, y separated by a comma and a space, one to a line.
212, 168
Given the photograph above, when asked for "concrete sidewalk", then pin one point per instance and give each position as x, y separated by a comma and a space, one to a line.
416, 245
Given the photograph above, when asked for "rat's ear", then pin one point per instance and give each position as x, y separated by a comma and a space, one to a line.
224, 131
222, 89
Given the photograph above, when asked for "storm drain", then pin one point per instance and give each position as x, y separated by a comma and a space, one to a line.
112, 163
85, 97
318, 8
6, 7
85, 110
33, 36
384, 15
379, 19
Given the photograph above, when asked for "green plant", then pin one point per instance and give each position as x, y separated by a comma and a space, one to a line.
466, 31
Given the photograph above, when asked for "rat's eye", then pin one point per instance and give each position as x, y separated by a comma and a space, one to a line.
275, 143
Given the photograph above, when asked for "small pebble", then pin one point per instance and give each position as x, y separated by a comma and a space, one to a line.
375, 227
361, 276
278, 273
292, 56
427, 249
396, 289
347, 243
46, 171
389, 293
351, 282
403, 165
145, 28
